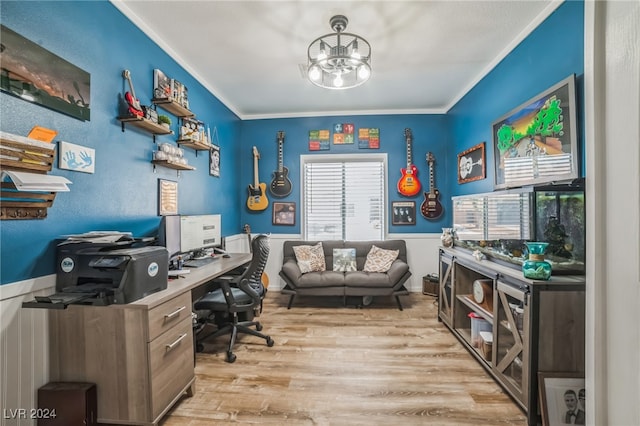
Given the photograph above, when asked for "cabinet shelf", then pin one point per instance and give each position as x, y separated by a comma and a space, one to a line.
467, 300
173, 107
144, 124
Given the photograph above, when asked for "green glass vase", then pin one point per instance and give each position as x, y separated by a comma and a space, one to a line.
536, 268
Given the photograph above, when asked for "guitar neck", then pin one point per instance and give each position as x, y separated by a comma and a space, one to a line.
255, 171
280, 156
432, 186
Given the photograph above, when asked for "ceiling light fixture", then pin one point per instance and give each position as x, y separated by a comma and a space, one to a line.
339, 60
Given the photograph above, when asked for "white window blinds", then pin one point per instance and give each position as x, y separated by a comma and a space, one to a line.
344, 199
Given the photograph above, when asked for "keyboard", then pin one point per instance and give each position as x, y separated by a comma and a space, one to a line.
196, 263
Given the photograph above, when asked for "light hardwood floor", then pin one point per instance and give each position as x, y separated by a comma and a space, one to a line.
337, 365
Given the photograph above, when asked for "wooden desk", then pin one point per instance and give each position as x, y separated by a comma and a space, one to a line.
140, 355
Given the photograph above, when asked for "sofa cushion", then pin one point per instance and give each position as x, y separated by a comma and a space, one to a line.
310, 258
379, 260
321, 279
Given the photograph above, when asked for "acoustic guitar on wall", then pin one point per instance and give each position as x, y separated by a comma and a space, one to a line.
257, 200
409, 185
280, 184
431, 207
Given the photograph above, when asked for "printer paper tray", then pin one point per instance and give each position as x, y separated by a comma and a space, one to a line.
57, 301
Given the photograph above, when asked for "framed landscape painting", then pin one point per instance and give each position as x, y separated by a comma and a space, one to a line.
36, 75
537, 142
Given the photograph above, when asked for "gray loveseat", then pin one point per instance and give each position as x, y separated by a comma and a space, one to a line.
352, 283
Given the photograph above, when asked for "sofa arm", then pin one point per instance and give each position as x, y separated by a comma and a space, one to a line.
397, 270
290, 272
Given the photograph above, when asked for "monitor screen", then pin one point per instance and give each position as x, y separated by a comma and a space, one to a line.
200, 231
169, 234
184, 234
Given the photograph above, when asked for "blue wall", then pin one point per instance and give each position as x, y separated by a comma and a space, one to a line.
122, 194
550, 53
430, 133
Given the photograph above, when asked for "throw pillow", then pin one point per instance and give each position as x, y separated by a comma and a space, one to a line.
380, 260
310, 258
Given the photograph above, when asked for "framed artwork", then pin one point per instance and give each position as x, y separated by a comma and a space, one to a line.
76, 157
284, 213
167, 197
471, 164
403, 213
562, 398
537, 142
28, 69
344, 260
214, 160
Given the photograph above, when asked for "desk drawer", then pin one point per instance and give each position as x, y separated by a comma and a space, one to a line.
171, 359
170, 313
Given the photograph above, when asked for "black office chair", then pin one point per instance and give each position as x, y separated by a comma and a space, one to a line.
233, 306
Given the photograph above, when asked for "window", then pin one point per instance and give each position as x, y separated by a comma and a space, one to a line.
343, 198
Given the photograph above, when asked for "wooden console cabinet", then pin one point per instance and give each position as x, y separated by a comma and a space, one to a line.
537, 326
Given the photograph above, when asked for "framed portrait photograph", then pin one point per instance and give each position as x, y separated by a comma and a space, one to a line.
472, 164
284, 213
537, 142
562, 398
167, 197
214, 161
403, 213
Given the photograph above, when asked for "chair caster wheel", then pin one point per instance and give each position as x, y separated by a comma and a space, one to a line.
231, 357
199, 347
270, 341
258, 327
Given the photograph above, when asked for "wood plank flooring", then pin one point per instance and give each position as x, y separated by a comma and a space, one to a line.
337, 365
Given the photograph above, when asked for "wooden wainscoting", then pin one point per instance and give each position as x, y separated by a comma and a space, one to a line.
336, 365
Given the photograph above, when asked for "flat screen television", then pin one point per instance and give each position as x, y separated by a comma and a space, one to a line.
190, 233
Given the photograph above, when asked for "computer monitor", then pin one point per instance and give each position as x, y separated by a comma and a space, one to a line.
190, 233
198, 232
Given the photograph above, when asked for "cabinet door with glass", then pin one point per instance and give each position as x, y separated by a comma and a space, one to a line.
511, 340
445, 297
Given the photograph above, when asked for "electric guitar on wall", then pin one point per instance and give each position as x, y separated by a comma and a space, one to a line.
409, 185
134, 104
257, 200
431, 207
280, 185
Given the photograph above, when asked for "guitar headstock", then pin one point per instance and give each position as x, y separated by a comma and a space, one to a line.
280, 136
430, 158
407, 134
256, 154
246, 228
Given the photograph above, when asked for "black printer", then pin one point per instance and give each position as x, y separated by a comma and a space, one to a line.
102, 274
109, 274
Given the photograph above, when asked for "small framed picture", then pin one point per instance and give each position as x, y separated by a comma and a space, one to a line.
471, 164
214, 160
167, 197
403, 213
284, 213
562, 398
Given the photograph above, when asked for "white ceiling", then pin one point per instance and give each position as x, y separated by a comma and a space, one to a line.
425, 54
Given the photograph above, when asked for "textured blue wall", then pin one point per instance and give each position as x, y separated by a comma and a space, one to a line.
550, 53
122, 194
430, 133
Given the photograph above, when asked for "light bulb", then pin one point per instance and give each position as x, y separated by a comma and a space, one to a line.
337, 82
314, 73
363, 72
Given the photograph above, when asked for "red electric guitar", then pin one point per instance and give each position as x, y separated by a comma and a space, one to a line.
409, 185
431, 207
130, 97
